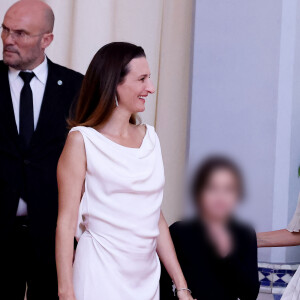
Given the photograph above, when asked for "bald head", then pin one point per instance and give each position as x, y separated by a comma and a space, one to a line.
36, 11
26, 33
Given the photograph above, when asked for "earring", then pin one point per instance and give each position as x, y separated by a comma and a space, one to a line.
117, 102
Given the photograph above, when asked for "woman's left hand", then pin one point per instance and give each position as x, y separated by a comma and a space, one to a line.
184, 295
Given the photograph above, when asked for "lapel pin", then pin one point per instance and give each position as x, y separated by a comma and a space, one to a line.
59, 82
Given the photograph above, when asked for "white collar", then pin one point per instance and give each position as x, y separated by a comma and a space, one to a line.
41, 72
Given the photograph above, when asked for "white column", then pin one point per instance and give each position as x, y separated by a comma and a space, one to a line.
284, 122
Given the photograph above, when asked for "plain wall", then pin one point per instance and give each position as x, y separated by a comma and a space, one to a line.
234, 109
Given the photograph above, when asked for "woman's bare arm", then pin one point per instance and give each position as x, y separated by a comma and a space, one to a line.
278, 238
71, 172
167, 255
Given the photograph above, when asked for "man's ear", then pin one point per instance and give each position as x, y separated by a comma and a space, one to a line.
47, 40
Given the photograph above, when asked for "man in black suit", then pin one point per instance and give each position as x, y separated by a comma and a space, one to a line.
35, 100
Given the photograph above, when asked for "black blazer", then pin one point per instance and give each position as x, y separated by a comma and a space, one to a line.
207, 274
36, 169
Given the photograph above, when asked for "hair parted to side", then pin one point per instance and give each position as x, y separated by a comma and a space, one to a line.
207, 168
107, 69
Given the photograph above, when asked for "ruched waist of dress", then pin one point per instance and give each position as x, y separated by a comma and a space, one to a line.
113, 244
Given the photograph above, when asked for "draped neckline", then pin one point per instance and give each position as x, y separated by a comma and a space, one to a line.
113, 143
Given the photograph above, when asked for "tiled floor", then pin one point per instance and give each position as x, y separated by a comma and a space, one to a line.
265, 297
268, 297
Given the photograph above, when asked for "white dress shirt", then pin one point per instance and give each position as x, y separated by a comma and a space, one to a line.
37, 84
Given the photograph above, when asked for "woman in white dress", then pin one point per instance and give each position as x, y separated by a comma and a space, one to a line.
111, 179
284, 238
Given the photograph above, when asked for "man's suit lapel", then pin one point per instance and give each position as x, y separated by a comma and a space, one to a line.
7, 111
49, 104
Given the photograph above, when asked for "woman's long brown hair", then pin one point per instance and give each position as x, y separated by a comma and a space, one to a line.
107, 69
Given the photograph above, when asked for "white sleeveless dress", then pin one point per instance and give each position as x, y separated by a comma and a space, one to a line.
118, 220
292, 292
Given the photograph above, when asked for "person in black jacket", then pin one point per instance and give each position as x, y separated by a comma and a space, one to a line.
217, 253
35, 99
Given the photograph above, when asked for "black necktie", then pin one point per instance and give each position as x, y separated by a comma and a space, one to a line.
26, 127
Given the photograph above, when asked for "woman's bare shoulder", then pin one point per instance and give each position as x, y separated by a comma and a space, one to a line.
75, 138
74, 146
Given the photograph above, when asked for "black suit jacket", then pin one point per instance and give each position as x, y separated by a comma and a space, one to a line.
35, 169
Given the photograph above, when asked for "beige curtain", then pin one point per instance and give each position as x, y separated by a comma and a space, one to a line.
164, 29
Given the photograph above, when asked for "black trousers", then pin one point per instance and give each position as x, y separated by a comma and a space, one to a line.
26, 270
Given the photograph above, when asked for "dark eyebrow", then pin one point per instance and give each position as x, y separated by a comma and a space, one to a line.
145, 75
21, 30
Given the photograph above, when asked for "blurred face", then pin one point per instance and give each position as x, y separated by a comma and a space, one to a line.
23, 38
220, 197
132, 92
